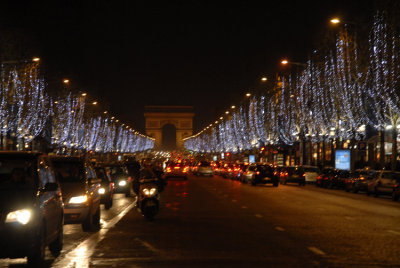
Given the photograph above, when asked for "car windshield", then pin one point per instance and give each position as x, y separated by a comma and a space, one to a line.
68, 171
265, 168
295, 170
16, 173
311, 169
114, 170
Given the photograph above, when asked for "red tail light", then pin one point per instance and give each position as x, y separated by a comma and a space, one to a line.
130, 178
258, 172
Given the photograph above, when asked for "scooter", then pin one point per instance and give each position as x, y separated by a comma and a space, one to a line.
148, 198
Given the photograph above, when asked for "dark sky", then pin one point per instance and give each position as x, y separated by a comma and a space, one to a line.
128, 54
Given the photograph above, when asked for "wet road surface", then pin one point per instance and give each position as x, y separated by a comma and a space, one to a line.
215, 222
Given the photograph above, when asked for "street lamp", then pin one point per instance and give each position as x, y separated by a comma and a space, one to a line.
286, 62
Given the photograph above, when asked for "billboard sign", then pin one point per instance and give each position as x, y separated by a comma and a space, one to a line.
342, 159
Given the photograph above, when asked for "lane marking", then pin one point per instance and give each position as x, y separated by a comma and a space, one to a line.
279, 229
258, 215
234, 200
316, 251
393, 232
80, 256
149, 246
244, 207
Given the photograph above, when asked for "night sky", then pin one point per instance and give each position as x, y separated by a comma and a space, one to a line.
127, 54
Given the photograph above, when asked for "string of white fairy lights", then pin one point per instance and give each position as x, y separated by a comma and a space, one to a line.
328, 99
26, 109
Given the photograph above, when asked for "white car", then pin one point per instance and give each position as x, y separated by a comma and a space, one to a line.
311, 173
204, 169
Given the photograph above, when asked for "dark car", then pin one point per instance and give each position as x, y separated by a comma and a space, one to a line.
31, 207
120, 177
80, 187
293, 175
324, 178
261, 173
106, 189
176, 170
359, 180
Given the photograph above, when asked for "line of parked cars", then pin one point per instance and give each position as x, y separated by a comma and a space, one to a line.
41, 193
372, 182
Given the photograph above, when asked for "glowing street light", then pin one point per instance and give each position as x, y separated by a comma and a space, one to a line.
94, 103
66, 81
264, 79
335, 21
248, 94
36, 59
84, 94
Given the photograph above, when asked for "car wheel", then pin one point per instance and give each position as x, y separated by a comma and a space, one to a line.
96, 220
108, 204
87, 224
253, 183
368, 192
128, 193
37, 254
395, 197
276, 184
376, 194
56, 246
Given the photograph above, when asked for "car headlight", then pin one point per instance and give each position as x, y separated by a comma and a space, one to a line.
102, 191
22, 216
78, 199
149, 192
122, 183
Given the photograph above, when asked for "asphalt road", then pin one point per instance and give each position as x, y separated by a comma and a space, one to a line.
216, 222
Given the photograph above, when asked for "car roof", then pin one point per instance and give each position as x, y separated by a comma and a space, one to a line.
20, 153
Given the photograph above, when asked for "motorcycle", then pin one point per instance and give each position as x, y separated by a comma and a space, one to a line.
148, 198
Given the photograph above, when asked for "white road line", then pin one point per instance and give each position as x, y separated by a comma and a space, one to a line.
234, 200
80, 256
258, 215
244, 207
149, 246
279, 229
316, 251
393, 232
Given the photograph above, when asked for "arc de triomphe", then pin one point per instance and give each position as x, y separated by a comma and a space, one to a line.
181, 117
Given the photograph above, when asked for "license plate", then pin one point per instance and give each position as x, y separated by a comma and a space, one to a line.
150, 203
295, 176
267, 178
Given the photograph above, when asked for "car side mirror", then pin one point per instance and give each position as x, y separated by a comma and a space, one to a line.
50, 186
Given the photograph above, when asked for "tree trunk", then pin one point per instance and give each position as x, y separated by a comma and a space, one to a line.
394, 148
382, 148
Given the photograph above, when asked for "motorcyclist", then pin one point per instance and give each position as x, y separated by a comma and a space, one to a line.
146, 173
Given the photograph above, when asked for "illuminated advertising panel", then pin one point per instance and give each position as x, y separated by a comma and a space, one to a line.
342, 159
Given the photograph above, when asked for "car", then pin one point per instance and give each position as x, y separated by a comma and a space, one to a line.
294, 174
176, 170
359, 180
204, 169
31, 207
396, 191
311, 173
227, 170
80, 187
106, 189
261, 173
120, 177
324, 179
384, 183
